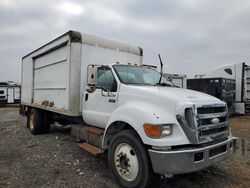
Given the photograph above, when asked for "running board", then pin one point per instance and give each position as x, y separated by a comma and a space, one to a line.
89, 134
94, 130
91, 149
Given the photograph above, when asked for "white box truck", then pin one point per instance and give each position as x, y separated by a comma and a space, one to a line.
178, 80
123, 107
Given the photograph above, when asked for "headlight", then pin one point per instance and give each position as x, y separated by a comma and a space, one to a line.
158, 131
167, 130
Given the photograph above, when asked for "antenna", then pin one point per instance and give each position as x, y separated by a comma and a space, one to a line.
161, 68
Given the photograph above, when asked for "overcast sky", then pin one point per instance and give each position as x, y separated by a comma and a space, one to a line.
192, 36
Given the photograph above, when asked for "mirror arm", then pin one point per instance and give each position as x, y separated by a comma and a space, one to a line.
91, 89
104, 89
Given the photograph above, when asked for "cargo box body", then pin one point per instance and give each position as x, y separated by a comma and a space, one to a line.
55, 75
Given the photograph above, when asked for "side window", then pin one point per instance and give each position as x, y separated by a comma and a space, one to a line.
128, 77
1, 91
105, 79
228, 71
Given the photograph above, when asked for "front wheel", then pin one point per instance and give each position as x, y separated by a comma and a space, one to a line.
128, 160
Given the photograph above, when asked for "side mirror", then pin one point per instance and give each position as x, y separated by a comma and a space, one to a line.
92, 75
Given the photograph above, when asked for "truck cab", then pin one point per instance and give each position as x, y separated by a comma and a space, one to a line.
180, 130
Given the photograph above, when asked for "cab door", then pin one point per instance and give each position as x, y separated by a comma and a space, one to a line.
101, 102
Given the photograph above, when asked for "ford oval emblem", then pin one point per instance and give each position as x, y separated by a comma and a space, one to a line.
215, 120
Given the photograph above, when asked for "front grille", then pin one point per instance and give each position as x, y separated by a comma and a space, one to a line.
189, 114
203, 124
212, 131
212, 123
209, 110
207, 121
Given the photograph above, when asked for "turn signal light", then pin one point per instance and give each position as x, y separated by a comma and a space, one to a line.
153, 131
158, 131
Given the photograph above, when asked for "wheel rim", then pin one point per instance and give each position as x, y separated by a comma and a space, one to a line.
126, 162
31, 122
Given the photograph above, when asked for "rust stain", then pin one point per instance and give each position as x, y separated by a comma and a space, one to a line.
48, 103
51, 103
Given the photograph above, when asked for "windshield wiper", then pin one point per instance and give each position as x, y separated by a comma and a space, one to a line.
163, 84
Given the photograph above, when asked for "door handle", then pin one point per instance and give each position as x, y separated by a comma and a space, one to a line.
112, 100
86, 96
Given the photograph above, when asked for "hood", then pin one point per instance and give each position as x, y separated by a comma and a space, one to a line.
173, 94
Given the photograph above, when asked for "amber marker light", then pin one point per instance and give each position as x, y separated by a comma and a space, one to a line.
153, 131
158, 131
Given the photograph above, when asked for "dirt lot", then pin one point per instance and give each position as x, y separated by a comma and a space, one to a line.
55, 160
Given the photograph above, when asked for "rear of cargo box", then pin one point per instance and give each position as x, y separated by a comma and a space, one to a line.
50, 79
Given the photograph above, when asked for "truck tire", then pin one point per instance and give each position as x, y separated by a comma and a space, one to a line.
46, 122
128, 160
35, 121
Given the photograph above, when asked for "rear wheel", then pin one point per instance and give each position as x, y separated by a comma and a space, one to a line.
128, 160
35, 121
46, 122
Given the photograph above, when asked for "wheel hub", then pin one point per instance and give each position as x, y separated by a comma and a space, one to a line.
123, 163
126, 162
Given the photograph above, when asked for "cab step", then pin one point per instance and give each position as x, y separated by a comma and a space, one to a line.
91, 149
89, 134
94, 130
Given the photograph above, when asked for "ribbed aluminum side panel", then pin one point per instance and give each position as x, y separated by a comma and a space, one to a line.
51, 75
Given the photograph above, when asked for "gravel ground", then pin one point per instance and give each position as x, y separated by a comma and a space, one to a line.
55, 160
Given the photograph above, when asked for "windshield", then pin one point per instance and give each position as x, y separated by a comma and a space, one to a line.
129, 74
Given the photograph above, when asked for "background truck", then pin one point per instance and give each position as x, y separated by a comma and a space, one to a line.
10, 93
116, 104
221, 88
239, 72
179, 80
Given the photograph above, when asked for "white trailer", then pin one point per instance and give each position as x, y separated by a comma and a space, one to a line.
123, 107
241, 74
179, 80
9, 93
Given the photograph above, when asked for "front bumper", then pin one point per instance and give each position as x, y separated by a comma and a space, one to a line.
189, 160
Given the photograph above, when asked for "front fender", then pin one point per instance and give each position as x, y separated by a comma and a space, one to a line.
137, 113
